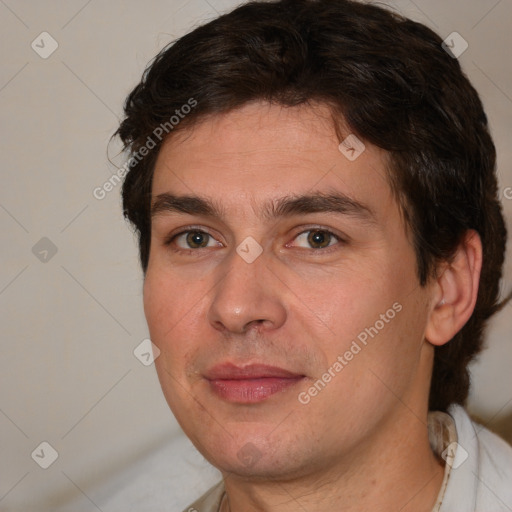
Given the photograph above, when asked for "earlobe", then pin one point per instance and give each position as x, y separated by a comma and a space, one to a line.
455, 291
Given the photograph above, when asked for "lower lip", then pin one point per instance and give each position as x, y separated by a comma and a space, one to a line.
246, 391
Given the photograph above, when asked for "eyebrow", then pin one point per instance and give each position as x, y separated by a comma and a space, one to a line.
287, 206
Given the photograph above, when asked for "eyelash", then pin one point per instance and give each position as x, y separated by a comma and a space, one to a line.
168, 241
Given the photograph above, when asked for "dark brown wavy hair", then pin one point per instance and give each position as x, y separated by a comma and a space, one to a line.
390, 81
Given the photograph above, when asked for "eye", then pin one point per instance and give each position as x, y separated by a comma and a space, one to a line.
193, 239
318, 238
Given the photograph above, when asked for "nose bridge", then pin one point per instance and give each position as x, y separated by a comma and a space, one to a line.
247, 293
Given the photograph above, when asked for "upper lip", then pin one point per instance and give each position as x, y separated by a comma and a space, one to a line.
230, 371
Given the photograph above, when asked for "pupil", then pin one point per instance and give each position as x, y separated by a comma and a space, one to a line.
196, 239
319, 238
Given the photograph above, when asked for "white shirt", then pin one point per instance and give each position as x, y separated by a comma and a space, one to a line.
482, 482
478, 469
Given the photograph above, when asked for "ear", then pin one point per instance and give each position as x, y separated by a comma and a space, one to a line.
455, 290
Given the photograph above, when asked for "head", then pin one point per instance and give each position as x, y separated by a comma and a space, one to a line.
249, 113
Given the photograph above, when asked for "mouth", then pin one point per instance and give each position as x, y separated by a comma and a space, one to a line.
250, 384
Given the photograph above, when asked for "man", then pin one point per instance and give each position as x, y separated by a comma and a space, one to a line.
313, 185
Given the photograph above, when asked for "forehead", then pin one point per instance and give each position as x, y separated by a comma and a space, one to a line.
261, 151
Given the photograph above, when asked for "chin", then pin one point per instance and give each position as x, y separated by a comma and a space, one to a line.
253, 457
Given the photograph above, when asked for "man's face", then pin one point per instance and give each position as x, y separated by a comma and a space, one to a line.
300, 272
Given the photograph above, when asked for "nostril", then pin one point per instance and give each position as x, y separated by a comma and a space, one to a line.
254, 324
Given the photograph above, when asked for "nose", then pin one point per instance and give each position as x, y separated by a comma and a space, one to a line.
248, 296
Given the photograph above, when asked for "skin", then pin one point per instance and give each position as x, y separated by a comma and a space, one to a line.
361, 443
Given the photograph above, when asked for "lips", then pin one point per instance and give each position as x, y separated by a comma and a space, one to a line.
249, 384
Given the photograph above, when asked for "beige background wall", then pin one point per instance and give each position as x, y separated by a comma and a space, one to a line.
70, 321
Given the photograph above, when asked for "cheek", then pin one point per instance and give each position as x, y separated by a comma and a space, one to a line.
175, 313
165, 310
376, 325
169, 327
342, 303
169, 300
157, 306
